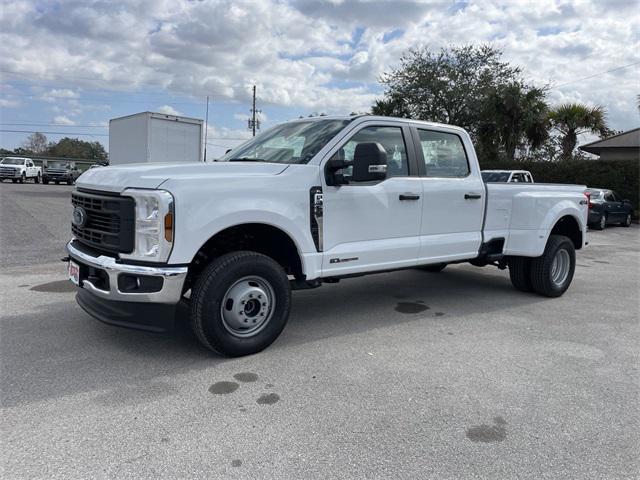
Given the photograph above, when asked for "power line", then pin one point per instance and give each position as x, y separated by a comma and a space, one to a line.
51, 125
596, 75
57, 133
103, 134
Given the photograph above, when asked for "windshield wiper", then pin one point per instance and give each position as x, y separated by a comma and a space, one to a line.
247, 159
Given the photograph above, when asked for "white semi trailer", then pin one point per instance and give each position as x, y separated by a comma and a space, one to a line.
149, 137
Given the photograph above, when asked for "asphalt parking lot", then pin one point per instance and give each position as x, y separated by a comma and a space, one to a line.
400, 375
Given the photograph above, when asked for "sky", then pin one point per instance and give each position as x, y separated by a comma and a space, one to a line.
67, 67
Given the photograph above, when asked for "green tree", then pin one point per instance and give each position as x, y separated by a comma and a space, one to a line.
391, 106
76, 148
448, 86
573, 119
513, 115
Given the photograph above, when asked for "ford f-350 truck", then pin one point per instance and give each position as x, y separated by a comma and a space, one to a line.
307, 202
19, 169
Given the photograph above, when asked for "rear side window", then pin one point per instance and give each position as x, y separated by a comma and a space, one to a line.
444, 154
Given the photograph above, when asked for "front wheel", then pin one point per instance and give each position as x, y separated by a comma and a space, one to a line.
240, 303
551, 273
627, 221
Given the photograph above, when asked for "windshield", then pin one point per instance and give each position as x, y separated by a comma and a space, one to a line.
57, 165
291, 142
495, 176
12, 161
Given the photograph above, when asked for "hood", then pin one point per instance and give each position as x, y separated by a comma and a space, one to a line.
152, 175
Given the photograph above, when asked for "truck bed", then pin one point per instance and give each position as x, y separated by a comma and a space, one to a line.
515, 210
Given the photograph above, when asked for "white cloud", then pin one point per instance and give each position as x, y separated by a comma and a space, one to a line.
9, 103
59, 94
62, 120
312, 55
168, 110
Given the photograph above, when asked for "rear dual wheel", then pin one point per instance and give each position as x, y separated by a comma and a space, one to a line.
549, 274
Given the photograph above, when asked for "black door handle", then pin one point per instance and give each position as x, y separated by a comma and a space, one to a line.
409, 196
472, 196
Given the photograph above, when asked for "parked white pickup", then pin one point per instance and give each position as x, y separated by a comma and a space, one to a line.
19, 169
310, 201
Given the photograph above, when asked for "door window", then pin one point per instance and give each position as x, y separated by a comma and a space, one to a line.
444, 154
609, 197
392, 141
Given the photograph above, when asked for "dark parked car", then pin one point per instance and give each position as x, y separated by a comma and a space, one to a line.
60, 171
606, 208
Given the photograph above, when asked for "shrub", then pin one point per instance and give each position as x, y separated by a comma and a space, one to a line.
622, 176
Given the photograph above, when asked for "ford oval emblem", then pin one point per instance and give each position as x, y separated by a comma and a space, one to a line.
79, 217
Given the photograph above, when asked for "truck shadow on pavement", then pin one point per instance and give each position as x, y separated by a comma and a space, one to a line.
59, 350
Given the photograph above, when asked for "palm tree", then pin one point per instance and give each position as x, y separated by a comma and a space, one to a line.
573, 119
513, 115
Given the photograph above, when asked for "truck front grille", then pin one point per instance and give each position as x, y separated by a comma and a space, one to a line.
8, 171
109, 221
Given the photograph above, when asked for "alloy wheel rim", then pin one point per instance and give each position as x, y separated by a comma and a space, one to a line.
247, 306
560, 267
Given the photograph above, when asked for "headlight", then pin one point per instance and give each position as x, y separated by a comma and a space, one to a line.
154, 225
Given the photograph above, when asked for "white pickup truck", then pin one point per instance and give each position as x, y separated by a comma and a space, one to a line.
19, 169
307, 202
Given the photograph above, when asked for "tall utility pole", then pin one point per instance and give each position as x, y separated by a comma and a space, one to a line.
206, 130
254, 124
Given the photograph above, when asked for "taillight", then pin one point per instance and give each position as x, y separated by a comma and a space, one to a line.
588, 195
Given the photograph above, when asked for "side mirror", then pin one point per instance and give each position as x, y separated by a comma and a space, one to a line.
369, 162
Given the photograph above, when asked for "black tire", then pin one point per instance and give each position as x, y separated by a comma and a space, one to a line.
213, 285
602, 223
520, 273
627, 220
542, 278
37, 179
23, 177
435, 268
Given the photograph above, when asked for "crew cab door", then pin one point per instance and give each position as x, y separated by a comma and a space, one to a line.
453, 192
31, 169
375, 225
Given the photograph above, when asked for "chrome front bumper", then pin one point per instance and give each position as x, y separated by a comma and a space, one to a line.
170, 292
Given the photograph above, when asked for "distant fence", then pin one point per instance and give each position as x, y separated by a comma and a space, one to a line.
82, 163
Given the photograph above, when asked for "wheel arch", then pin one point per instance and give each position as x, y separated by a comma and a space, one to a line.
569, 226
265, 238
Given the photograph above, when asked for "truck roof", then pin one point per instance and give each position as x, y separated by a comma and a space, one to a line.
376, 117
